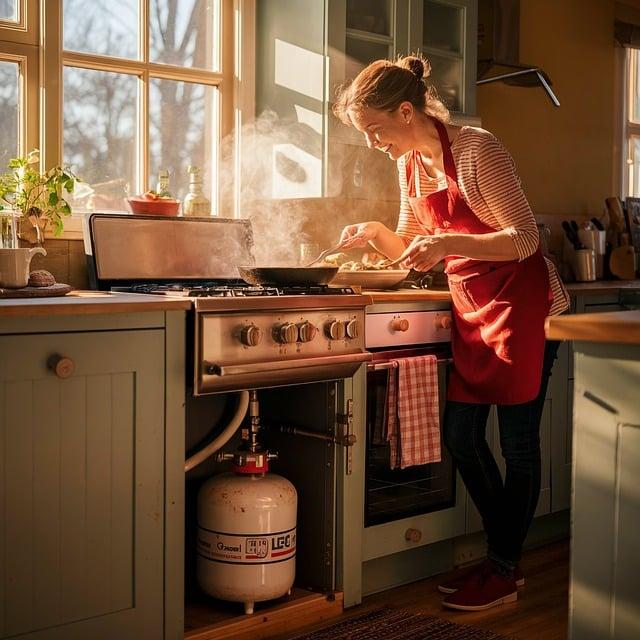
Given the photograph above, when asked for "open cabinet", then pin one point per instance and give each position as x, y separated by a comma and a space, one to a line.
309, 460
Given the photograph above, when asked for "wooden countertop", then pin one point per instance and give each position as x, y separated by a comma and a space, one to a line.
599, 287
615, 327
90, 302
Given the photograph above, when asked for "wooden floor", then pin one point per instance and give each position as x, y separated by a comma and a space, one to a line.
540, 612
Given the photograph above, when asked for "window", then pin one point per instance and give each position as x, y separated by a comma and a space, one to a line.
632, 124
130, 87
143, 88
18, 78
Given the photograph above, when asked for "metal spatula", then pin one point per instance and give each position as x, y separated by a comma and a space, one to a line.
323, 255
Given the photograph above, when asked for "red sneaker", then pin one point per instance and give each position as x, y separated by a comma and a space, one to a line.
483, 590
451, 586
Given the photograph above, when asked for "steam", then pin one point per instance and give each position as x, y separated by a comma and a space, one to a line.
284, 192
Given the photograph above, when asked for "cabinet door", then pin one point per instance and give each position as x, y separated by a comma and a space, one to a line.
445, 31
82, 463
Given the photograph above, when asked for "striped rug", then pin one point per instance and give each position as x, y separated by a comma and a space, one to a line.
398, 624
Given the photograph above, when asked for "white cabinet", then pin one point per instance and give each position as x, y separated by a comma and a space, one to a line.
605, 556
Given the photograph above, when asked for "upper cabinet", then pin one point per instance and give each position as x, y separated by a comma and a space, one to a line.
305, 49
445, 32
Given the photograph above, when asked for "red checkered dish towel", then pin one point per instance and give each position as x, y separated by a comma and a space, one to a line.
413, 414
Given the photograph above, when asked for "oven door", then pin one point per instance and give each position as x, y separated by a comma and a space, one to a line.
402, 493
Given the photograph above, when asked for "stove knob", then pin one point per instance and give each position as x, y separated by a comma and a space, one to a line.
353, 329
307, 331
286, 333
444, 322
399, 324
335, 330
250, 335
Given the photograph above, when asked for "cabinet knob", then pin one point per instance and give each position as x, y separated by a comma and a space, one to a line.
445, 322
62, 366
399, 324
413, 535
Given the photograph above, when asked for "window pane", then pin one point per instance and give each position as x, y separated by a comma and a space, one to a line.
106, 27
185, 33
368, 15
100, 134
9, 10
443, 26
9, 92
634, 167
183, 131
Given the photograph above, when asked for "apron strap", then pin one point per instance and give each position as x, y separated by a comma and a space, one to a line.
447, 156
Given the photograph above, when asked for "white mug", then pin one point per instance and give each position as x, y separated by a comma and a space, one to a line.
14, 266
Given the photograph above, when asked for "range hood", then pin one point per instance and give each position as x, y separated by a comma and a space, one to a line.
499, 48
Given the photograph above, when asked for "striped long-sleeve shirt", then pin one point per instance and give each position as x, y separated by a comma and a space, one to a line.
489, 184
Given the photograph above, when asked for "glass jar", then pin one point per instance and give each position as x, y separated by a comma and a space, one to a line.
9, 229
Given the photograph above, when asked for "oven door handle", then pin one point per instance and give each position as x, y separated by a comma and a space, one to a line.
213, 369
381, 366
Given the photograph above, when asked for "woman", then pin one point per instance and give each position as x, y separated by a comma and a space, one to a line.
461, 202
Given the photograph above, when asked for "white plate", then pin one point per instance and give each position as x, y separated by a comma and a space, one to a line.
370, 279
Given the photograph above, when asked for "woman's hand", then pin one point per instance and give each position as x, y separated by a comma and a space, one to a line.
359, 235
425, 252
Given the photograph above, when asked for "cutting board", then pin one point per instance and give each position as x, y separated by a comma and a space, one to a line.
57, 289
622, 262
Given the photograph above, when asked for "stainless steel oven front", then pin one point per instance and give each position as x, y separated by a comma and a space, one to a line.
395, 494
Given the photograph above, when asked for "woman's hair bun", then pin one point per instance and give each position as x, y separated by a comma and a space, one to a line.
417, 64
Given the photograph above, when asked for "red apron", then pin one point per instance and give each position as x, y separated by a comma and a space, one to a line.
499, 307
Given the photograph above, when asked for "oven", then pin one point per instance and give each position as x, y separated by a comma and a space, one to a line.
396, 494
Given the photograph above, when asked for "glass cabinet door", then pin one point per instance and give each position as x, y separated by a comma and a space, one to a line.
445, 31
369, 33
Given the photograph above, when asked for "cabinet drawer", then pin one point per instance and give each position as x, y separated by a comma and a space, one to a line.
81, 451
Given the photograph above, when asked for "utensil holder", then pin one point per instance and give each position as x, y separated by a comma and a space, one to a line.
584, 265
596, 240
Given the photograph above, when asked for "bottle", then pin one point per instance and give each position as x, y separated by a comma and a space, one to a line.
162, 188
195, 203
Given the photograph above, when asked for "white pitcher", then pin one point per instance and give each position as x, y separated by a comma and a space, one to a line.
14, 266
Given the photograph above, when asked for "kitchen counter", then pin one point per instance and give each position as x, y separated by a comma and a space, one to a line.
90, 302
621, 327
599, 287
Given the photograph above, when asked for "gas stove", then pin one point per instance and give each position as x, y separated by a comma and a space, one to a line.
233, 289
239, 336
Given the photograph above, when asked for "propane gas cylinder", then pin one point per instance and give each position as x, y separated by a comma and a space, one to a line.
247, 533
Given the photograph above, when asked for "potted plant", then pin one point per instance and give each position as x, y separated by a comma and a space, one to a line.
35, 196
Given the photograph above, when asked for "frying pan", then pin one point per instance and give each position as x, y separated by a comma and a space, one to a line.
287, 276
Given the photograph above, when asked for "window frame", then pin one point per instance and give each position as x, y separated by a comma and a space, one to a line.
19, 44
630, 129
54, 58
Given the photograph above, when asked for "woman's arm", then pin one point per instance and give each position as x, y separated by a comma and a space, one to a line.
373, 233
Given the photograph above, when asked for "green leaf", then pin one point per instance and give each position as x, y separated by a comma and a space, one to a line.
70, 185
53, 199
65, 208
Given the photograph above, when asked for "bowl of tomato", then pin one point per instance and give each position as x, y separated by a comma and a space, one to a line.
152, 204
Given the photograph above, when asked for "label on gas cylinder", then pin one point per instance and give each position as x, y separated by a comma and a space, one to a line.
234, 548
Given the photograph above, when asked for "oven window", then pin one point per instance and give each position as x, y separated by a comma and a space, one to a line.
396, 494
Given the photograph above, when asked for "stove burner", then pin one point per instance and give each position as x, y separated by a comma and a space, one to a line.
233, 290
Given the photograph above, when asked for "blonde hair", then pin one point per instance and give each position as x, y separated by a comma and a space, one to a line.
384, 85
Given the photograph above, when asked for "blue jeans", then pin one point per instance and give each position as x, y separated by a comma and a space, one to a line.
506, 507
